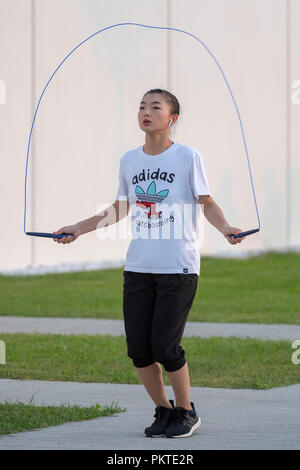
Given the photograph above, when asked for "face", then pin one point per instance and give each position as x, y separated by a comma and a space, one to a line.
155, 108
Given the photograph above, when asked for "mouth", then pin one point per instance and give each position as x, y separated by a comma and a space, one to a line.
146, 122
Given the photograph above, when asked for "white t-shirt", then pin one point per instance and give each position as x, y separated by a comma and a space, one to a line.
163, 192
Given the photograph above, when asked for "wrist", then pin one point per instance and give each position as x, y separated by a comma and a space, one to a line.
79, 229
225, 228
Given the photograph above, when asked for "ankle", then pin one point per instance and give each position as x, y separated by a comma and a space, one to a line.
165, 403
186, 406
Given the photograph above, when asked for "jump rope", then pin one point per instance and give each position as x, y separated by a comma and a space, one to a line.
51, 235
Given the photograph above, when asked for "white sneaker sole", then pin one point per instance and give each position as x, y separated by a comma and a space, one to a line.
188, 434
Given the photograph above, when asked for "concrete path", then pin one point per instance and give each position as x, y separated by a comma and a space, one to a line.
231, 419
90, 326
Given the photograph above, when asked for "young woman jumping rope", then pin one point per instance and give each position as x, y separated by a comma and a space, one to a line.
161, 272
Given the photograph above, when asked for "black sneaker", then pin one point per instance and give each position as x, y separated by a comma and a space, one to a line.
163, 417
184, 422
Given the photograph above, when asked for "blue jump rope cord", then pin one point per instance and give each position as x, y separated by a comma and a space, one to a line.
153, 27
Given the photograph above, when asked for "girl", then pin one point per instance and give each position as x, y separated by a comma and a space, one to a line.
161, 270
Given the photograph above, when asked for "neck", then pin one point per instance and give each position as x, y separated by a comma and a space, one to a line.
155, 144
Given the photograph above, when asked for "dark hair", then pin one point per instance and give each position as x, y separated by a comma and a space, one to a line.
173, 101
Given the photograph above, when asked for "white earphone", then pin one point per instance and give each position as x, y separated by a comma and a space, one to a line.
170, 123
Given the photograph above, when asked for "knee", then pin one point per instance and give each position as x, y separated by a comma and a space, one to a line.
140, 353
172, 358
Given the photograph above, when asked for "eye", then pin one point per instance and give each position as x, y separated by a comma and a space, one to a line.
142, 107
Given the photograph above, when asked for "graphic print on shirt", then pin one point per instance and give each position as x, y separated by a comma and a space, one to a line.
164, 218
149, 199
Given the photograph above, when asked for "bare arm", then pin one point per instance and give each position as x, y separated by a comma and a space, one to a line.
215, 216
109, 216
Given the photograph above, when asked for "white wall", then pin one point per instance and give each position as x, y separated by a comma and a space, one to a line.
88, 115
293, 147
15, 116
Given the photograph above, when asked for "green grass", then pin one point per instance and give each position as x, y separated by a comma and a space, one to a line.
261, 289
213, 362
18, 416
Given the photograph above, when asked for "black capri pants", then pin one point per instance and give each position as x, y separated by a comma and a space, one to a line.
155, 309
